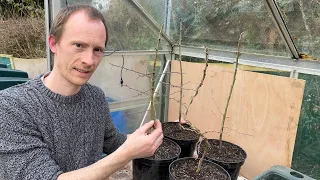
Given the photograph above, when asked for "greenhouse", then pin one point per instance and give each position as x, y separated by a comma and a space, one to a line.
248, 70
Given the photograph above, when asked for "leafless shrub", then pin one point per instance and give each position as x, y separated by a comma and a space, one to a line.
23, 37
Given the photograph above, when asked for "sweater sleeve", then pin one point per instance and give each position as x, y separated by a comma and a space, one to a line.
23, 154
113, 139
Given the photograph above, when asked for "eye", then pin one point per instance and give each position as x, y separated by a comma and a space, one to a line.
98, 50
78, 45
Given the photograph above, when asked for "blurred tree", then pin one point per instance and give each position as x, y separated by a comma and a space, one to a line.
10, 8
126, 30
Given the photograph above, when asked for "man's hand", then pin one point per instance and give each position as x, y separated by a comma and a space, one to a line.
141, 143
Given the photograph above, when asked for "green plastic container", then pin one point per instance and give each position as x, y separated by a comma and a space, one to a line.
6, 82
282, 173
6, 61
6, 72
3, 65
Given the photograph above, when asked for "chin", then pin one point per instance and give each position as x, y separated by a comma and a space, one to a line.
79, 82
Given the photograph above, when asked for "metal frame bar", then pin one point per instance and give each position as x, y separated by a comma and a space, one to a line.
134, 53
150, 22
167, 18
281, 26
47, 24
259, 60
51, 10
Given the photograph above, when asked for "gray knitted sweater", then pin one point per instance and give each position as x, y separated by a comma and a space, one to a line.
43, 134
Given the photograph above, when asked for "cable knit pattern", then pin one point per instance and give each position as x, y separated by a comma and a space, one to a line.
43, 134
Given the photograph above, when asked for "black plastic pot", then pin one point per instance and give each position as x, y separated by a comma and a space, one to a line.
186, 166
187, 145
233, 168
151, 169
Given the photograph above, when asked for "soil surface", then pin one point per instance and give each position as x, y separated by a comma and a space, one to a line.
167, 150
173, 130
229, 153
186, 170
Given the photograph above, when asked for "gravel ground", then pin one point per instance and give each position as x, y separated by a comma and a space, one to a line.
123, 174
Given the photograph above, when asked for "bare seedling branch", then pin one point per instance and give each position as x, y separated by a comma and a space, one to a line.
230, 93
203, 155
153, 80
201, 83
181, 77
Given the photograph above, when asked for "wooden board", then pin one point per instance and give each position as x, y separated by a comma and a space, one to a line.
263, 113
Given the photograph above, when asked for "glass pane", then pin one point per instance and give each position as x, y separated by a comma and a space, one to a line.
156, 9
134, 117
303, 21
125, 29
306, 157
135, 72
218, 25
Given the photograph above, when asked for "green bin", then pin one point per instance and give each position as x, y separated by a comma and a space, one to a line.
6, 82
282, 173
3, 65
6, 72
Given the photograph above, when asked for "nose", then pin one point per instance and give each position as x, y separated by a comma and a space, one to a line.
88, 58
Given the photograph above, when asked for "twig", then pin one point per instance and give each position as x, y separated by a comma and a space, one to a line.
156, 90
201, 83
129, 70
203, 155
153, 80
121, 79
140, 73
230, 93
239, 132
215, 102
181, 77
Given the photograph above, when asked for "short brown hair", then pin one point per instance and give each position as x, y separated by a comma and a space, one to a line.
62, 17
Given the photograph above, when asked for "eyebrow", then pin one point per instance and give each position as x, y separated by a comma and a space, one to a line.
86, 44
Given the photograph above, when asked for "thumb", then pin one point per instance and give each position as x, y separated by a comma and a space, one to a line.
146, 126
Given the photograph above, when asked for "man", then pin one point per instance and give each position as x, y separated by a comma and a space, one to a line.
56, 126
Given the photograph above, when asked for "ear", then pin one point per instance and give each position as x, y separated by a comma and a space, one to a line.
52, 43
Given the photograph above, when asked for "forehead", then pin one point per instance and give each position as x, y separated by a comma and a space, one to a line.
79, 25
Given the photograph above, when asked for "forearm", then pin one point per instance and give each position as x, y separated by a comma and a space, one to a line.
101, 169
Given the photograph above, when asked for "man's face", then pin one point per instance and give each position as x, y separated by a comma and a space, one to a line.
79, 50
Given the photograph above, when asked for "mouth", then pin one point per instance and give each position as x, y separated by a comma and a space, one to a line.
82, 71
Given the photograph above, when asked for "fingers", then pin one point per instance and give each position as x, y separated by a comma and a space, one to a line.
157, 131
146, 127
159, 141
157, 125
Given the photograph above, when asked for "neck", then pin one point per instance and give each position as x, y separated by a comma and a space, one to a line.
58, 84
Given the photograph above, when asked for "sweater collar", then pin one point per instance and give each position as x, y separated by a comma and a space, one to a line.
38, 83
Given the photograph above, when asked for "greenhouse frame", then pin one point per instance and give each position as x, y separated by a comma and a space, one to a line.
280, 37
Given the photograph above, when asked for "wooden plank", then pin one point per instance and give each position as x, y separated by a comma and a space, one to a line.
263, 113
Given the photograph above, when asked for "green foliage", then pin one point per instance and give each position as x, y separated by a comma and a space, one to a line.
26, 8
126, 29
155, 9
70, 2
306, 153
